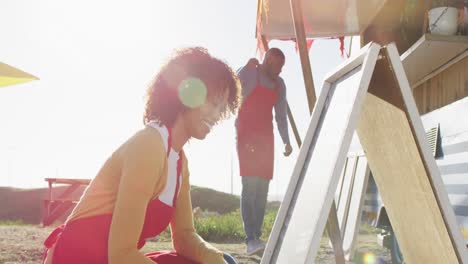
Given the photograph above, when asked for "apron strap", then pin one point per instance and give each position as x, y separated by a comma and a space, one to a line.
179, 165
179, 172
169, 141
53, 237
50, 241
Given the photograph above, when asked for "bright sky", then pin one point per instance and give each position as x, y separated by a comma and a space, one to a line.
94, 60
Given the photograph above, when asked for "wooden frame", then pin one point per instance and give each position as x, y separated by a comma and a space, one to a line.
392, 136
353, 208
333, 228
283, 242
56, 207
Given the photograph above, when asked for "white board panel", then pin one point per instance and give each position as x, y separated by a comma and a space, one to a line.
340, 183
432, 170
351, 229
303, 214
342, 205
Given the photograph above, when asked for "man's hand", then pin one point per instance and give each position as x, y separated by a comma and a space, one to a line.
252, 63
287, 150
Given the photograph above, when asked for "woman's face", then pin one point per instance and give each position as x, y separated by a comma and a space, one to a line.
200, 120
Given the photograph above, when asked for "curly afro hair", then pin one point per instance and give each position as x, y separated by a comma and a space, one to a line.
163, 103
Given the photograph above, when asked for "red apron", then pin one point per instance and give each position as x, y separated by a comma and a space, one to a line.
85, 240
255, 142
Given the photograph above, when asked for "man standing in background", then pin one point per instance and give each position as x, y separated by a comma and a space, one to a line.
262, 90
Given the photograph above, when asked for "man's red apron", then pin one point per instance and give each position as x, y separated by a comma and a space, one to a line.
85, 240
255, 142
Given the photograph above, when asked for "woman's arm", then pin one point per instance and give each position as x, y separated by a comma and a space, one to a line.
142, 159
186, 241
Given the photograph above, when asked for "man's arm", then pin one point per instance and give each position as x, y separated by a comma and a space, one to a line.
281, 110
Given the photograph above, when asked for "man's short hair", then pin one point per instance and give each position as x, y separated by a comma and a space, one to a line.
275, 52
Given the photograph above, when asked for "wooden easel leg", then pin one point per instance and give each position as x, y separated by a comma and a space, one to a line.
334, 233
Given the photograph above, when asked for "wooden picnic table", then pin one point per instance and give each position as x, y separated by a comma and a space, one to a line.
54, 207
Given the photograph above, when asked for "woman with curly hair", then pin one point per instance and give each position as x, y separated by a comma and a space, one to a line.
144, 185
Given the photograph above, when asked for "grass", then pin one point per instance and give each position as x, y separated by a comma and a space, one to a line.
21, 241
226, 228
13, 223
23, 244
368, 229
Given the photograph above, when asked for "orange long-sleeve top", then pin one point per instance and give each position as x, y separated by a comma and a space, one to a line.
135, 174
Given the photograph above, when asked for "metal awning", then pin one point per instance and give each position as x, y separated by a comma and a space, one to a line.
331, 18
10, 75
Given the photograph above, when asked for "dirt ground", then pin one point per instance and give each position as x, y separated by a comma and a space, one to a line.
23, 244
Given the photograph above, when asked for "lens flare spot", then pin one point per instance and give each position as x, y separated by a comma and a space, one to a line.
369, 258
192, 92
